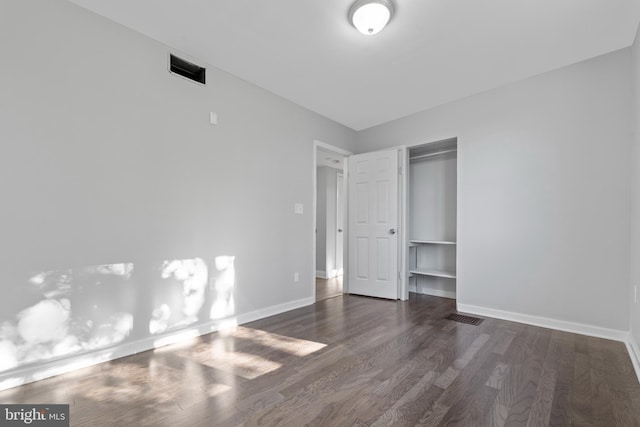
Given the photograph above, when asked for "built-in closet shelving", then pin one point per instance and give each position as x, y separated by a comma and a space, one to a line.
432, 218
415, 245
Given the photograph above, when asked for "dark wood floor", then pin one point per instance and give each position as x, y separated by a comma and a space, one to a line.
358, 361
328, 288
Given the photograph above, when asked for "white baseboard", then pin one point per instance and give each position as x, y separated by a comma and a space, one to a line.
634, 354
273, 310
60, 366
436, 293
322, 274
545, 322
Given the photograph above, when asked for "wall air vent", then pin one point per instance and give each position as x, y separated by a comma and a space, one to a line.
187, 69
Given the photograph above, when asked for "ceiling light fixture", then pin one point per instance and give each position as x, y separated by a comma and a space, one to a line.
370, 16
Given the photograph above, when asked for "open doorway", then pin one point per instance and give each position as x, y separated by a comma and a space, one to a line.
330, 221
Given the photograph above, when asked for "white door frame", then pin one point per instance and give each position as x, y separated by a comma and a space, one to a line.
403, 262
326, 147
340, 234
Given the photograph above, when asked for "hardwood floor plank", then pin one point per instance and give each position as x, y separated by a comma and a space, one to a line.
523, 399
541, 407
432, 417
397, 412
505, 342
468, 395
399, 376
564, 380
497, 416
515, 356
445, 380
622, 410
343, 409
581, 412
497, 376
468, 355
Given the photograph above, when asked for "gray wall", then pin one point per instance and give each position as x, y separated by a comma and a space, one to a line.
543, 191
122, 205
635, 198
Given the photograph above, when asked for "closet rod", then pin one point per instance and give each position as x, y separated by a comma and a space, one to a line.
432, 154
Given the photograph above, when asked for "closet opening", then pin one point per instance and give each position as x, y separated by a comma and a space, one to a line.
432, 218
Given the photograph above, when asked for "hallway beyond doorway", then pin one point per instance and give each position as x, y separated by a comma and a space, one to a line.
328, 288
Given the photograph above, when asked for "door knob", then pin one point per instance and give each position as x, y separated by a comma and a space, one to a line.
392, 231
339, 230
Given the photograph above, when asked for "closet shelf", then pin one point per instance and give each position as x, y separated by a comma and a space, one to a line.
433, 272
431, 242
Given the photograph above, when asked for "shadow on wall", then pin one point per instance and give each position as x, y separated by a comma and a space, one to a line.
76, 311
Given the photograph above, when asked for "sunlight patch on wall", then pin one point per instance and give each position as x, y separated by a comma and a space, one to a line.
57, 313
224, 284
180, 294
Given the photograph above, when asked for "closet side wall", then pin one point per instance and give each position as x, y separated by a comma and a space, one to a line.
432, 196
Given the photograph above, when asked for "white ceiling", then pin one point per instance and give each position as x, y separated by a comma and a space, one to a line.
432, 52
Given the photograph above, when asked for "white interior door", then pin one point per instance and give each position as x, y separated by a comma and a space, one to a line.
340, 224
373, 224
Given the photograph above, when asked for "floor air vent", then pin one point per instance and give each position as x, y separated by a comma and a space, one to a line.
470, 320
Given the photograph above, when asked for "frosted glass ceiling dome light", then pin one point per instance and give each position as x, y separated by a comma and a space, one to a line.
370, 16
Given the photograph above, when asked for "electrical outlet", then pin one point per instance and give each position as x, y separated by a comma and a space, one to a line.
296, 277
